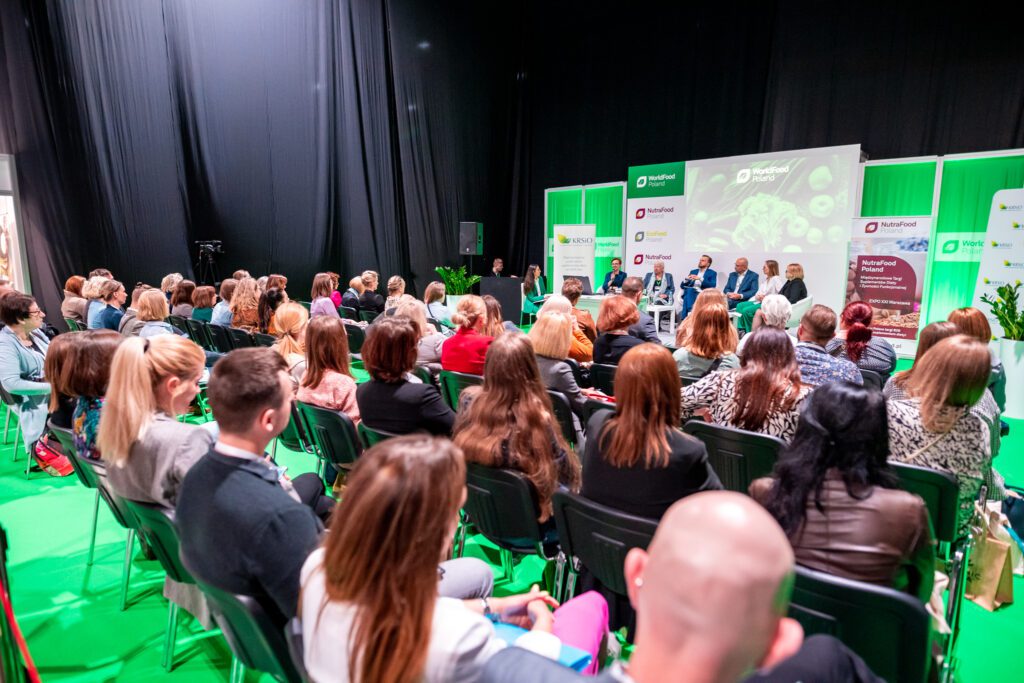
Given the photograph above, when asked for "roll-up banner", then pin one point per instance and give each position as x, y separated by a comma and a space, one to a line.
655, 219
573, 253
888, 256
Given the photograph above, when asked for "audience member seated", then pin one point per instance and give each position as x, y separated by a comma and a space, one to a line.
838, 500
935, 427
369, 299
396, 288
263, 524
153, 315
393, 400
222, 311
428, 348
113, 296
278, 282
73, 306
23, 349
239, 274
266, 309
261, 284
202, 303
466, 349
773, 284
614, 318
974, 324
87, 378
643, 329
817, 329
636, 459
509, 423
572, 289
335, 294
534, 290
495, 325
406, 630
855, 342
434, 298
711, 345
764, 395
551, 337
321, 302
714, 615
245, 306
707, 297
91, 293
775, 312
57, 367
581, 349
130, 323
291, 344
328, 381
794, 290
168, 284
741, 284
350, 299
181, 298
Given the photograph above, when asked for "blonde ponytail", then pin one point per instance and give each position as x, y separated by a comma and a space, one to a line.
471, 308
130, 403
290, 320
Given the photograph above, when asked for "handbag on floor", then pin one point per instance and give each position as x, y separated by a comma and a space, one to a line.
990, 574
49, 458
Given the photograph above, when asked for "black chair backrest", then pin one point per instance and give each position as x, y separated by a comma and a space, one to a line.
96, 474
592, 406
872, 379
737, 456
577, 373
221, 338
198, 331
368, 316
424, 375
563, 413
306, 304
294, 435
348, 313
72, 324
371, 437
501, 503
599, 536
356, 338
157, 526
889, 629
264, 339
940, 493
240, 339
452, 384
178, 322
333, 433
7, 397
67, 444
293, 636
254, 638
603, 377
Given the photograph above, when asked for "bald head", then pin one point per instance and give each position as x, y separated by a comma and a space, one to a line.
632, 287
713, 585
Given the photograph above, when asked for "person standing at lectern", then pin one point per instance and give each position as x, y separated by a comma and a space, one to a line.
615, 277
701, 277
742, 283
658, 285
497, 267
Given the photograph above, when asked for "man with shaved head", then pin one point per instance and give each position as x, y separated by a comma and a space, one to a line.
742, 283
711, 595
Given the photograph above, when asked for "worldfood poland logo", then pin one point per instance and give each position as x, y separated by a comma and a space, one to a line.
951, 247
640, 213
641, 181
743, 176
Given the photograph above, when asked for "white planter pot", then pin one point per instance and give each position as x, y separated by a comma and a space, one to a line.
452, 301
1011, 353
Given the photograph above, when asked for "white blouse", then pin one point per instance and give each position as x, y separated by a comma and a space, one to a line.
772, 285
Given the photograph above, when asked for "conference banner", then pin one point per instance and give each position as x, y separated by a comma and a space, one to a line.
888, 256
573, 253
791, 207
655, 219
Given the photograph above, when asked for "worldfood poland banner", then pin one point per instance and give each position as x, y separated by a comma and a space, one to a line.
886, 271
655, 219
574, 253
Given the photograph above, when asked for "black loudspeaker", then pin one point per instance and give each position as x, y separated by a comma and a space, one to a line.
471, 238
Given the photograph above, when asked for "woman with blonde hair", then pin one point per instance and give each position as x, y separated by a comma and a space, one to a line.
321, 301
773, 284
169, 282
509, 423
711, 345
466, 349
396, 288
291, 319
244, 305
434, 297
428, 348
370, 300
328, 381
707, 297
974, 324
935, 427
91, 292
153, 312
581, 349
552, 338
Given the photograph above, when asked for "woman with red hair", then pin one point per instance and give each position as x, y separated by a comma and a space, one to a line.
855, 342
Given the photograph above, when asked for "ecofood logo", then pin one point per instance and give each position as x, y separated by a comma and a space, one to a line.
639, 236
640, 213
761, 174
562, 239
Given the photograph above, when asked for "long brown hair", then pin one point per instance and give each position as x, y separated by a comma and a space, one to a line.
530, 279
78, 363
323, 286
929, 336
326, 349
394, 523
494, 326
950, 377
972, 322
712, 335
646, 408
182, 293
768, 380
707, 297
513, 408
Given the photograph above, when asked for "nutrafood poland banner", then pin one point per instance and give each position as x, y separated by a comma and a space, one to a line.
655, 219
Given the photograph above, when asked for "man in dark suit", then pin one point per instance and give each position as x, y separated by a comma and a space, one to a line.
615, 277
350, 299
742, 283
497, 267
715, 615
700, 278
633, 289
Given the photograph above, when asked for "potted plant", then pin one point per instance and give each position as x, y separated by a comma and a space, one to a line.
1011, 345
457, 283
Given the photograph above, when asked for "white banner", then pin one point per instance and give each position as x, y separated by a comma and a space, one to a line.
888, 256
655, 228
573, 253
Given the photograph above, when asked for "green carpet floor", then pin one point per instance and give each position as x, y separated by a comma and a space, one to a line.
76, 632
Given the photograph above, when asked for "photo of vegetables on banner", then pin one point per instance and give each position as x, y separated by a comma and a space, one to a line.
886, 271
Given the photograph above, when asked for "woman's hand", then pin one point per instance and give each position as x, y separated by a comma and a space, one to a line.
524, 609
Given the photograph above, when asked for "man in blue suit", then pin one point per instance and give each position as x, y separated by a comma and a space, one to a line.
701, 277
742, 283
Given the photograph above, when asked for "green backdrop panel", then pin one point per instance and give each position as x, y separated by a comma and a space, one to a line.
898, 189
603, 206
564, 206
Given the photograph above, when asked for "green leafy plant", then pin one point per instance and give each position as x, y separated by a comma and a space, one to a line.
456, 281
1005, 309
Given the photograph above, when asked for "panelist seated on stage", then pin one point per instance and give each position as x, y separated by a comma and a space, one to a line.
700, 278
742, 283
534, 289
658, 285
615, 277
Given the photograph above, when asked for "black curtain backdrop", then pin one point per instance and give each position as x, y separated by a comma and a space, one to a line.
353, 134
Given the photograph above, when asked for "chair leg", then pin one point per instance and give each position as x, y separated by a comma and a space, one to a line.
126, 570
17, 439
508, 568
7, 425
560, 577
237, 670
171, 636
95, 519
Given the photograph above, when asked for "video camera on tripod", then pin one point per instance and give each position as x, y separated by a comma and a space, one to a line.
206, 265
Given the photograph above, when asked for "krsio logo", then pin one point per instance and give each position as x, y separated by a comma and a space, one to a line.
641, 181
871, 227
743, 176
640, 213
639, 236
562, 239
638, 259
